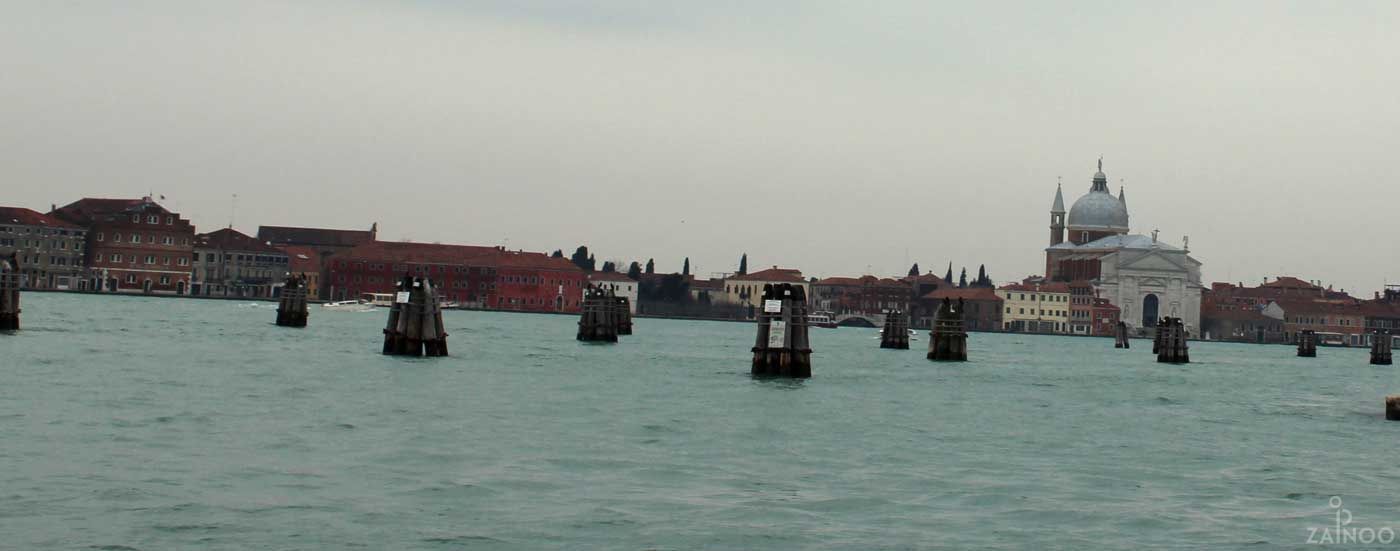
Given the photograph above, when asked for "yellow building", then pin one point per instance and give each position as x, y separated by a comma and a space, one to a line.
1035, 307
748, 289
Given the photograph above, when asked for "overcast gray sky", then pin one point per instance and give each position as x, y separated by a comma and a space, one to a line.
836, 137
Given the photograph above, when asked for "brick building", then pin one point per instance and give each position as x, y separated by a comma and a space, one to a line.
1105, 316
304, 260
49, 249
861, 296
325, 243
463, 274
232, 264
134, 245
537, 282
982, 307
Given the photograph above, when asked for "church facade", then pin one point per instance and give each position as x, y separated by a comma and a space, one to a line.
1143, 277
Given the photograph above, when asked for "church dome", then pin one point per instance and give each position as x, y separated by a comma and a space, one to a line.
1099, 210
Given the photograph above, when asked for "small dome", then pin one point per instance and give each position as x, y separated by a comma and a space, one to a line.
1098, 210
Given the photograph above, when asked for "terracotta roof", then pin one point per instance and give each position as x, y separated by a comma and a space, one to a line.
539, 261
84, 211
609, 276
230, 239
1239, 314
863, 281
1051, 287
1300, 307
773, 274
24, 217
965, 293
423, 253
320, 237
1287, 282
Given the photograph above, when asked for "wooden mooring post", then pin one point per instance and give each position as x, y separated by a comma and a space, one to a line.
1120, 336
1307, 344
896, 332
1170, 342
1392, 407
415, 321
782, 348
598, 319
9, 293
947, 340
291, 307
623, 315
1380, 347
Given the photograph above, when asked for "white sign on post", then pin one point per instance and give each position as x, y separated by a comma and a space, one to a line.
402, 297
776, 331
772, 306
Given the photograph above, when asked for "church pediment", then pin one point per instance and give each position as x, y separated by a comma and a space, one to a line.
1154, 261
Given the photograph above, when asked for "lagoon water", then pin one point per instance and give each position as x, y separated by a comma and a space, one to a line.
143, 423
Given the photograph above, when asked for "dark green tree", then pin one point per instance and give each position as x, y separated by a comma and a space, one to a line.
962, 279
609, 267
948, 278
914, 270
743, 265
580, 257
651, 266
634, 271
592, 263
557, 254
685, 269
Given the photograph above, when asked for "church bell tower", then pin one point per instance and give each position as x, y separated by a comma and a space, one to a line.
1057, 218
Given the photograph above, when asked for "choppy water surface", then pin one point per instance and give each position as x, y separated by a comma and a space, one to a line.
137, 423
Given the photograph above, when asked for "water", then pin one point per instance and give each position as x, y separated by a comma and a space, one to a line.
138, 423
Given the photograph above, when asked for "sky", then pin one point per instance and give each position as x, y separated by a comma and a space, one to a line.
840, 138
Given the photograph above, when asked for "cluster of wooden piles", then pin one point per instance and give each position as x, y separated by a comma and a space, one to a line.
948, 340
896, 331
1120, 336
291, 306
1169, 344
1380, 347
9, 293
1307, 344
604, 315
415, 321
781, 348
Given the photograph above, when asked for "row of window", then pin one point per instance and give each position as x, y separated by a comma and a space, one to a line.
1058, 313
136, 238
153, 219
39, 258
116, 258
54, 245
211, 258
1045, 297
42, 231
131, 279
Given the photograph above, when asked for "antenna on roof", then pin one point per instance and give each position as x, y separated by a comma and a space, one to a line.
233, 210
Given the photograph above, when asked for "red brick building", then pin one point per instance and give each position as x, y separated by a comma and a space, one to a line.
464, 274
476, 277
325, 243
982, 307
1105, 316
134, 245
537, 282
861, 296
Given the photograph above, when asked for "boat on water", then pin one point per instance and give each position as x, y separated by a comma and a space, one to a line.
383, 300
348, 306
821, 319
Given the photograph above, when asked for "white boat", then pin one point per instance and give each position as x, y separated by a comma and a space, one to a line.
348, 306
821, 319
383, 300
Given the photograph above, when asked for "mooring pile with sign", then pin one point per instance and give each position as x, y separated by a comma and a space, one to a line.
9, 293
415, 321
599, 317
782, 348
291, 305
